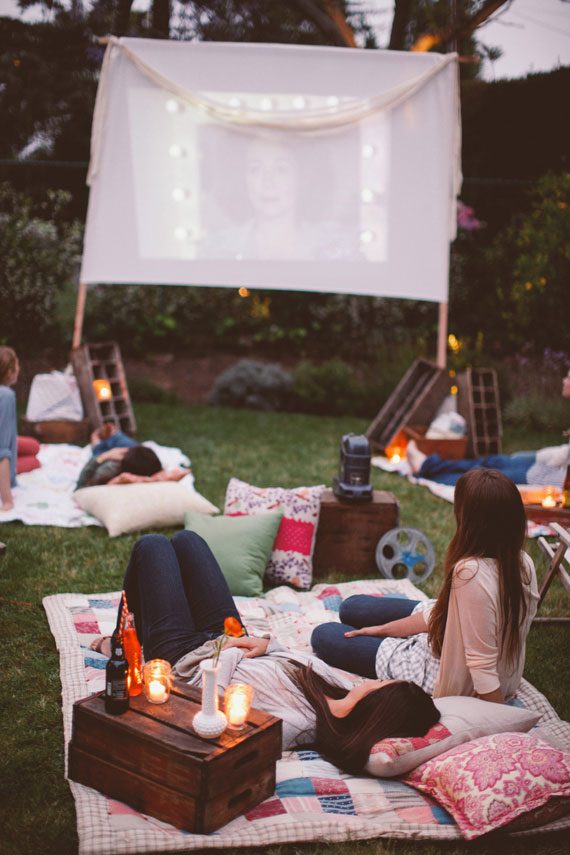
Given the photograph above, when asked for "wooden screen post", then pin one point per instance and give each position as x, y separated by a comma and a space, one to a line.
79, 315
442, 335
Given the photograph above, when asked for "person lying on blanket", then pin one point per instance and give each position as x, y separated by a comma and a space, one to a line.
180, 599
544, 467
471, 639
114, 454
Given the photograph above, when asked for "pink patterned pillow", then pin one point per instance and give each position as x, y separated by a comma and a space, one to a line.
291, 560
487, 783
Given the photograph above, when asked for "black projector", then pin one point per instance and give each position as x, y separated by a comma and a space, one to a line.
353, 483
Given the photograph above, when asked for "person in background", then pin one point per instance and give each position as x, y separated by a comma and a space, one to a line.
546, 467
108, 463
471, 640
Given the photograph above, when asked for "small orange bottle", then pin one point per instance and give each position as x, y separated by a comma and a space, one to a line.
133, 655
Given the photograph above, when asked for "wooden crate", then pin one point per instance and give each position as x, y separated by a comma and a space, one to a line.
74, 433
103, 361
414, 401
479, 403
449, 449
151, 759
348, 533
538, 514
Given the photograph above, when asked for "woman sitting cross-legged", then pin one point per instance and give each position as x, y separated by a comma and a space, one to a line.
180, 599
471, 640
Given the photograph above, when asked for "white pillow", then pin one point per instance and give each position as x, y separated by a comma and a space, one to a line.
462, 719
124, 508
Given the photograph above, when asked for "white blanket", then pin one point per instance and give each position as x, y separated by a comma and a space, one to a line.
45, 496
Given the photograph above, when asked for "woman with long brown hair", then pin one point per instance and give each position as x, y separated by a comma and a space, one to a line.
471, 640
181, 599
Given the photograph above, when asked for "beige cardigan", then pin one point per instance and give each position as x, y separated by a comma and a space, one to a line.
472, 662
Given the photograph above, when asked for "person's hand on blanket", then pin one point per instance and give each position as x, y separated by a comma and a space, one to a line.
411, 625
254, 646
112, 454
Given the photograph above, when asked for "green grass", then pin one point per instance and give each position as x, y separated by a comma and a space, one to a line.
263, 448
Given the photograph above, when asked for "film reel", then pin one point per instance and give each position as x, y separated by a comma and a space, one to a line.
405, 553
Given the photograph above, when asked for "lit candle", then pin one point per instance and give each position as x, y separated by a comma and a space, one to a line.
102, 389
549, 501
156, 692
238, 699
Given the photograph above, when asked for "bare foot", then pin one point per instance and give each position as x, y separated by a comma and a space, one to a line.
415, 457
7, 506
102, 644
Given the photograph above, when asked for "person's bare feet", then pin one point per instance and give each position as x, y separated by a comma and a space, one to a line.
102, 645
414, 456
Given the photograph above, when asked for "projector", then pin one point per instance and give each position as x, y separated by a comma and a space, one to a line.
353, 483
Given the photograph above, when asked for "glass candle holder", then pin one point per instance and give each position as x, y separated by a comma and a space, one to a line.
156, 677
237, 704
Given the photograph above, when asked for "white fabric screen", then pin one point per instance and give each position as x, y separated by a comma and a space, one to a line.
318, 169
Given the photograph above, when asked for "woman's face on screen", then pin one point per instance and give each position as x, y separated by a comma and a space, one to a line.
272, 179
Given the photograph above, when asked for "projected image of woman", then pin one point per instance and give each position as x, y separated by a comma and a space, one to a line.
284, 196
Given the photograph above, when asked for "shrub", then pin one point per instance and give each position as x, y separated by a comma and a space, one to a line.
39, 257
251, 384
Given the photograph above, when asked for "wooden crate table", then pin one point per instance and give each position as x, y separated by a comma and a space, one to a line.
538, 514
348, 533
151, 759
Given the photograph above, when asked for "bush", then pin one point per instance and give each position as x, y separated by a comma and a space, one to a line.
39, 257
255, 385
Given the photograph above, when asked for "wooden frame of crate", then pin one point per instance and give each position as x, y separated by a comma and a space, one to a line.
478, 401
103, 361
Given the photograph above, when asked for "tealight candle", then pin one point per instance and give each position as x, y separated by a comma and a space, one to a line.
237, 702
156, 681
549, 501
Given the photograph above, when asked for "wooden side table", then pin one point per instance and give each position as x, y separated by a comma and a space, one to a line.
348, 533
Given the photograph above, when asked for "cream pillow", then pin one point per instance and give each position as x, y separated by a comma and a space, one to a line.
124, 508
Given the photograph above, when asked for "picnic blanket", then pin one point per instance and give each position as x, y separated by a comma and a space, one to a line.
45, 496
313, 800
444, 491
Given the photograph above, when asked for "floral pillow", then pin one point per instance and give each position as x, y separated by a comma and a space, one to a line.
491, 781
291, 560
462, 720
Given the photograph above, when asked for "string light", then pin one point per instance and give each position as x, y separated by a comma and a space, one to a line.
367, 195
454, 343
243, 292
368, 150
172, 106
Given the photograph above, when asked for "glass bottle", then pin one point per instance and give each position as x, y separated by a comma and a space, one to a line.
133, 654
116, 689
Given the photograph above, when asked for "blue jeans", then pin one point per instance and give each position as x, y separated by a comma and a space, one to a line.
514, 466
117, 440
178, 594
358, 654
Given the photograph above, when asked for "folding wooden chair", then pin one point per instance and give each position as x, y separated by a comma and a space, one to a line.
556, 554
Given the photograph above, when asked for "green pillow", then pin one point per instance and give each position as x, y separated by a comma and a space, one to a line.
242, 546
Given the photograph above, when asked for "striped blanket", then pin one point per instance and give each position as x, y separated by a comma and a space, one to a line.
313, 800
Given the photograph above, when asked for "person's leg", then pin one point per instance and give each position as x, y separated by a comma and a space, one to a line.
514, 467
435, 468
207, 591
117, 440
364, 610
357, 655
6, 500
156, 595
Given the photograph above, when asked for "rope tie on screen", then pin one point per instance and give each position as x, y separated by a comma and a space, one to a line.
321, 120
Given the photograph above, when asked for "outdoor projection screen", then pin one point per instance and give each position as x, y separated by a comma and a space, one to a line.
268, 166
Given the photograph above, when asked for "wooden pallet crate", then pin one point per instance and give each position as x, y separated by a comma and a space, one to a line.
414, 401
103, 361
479, 403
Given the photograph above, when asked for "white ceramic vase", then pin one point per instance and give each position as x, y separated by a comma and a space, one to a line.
210, 722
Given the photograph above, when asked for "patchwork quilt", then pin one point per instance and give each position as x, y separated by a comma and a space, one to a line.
313, 800
45, 496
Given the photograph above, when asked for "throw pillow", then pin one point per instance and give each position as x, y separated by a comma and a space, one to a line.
491, 781
462, 719
291, 559
241, 546
124, 508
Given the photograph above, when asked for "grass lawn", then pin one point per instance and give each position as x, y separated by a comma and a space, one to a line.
263, 448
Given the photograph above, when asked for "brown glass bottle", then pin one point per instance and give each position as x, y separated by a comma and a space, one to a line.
566, 486
116, 686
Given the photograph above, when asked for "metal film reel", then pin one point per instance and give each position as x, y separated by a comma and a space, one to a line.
405, 553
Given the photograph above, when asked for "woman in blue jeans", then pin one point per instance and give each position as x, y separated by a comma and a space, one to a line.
180, 600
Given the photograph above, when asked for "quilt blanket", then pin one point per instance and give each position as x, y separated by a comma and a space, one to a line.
313, 799
45, 496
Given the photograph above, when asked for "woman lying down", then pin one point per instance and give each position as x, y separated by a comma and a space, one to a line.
180, 599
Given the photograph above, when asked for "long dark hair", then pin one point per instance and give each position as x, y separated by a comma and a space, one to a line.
490, 524
397, 709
